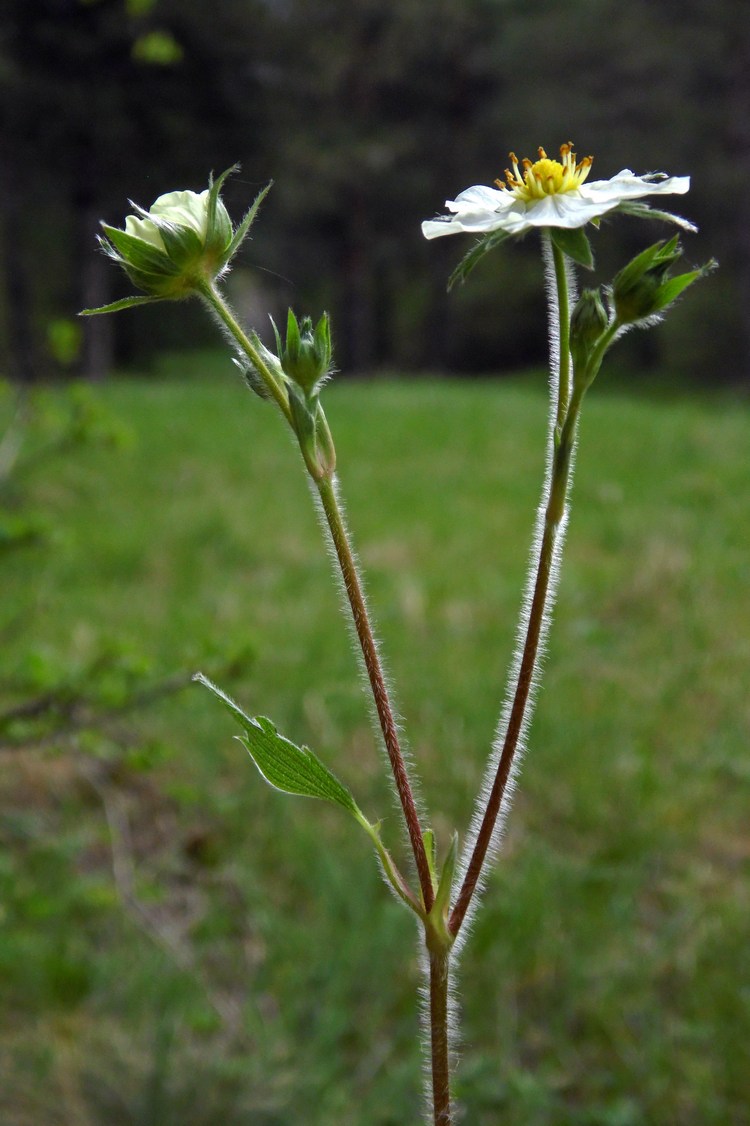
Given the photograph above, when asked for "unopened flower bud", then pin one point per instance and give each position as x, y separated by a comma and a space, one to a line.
643, 288
306, 357
587, 324
178, 247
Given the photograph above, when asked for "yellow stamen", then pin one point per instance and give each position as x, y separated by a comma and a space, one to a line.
545, 176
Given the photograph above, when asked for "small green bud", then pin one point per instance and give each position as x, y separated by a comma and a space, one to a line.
644, 288
588, 322
306, 358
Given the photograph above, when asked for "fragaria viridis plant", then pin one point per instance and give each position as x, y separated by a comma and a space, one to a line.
183, 247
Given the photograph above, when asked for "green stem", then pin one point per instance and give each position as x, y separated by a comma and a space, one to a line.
323, 478
556, 489
219, 305
563, 312
329, 500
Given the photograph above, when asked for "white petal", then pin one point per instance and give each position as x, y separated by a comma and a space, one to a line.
480, 197
185, 209
145, 230
626, 185
436, 228
568, 209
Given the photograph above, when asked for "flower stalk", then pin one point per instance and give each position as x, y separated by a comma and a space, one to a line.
566, 397
327, 492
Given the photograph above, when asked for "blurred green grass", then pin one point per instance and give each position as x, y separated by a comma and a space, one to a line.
608, 977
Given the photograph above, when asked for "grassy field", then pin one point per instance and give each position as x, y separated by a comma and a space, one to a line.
181, 946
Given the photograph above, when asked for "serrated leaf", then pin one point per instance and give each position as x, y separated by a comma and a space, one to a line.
575, 244
475, 255
284, 765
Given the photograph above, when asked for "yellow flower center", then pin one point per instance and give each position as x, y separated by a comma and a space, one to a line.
544, 176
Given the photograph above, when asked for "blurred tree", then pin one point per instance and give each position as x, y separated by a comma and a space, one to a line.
367, 116
98, 97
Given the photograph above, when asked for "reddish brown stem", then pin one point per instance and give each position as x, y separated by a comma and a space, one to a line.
439, 1047
327, 492
553, 517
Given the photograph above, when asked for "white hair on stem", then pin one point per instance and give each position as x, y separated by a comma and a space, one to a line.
523, 622
355, 640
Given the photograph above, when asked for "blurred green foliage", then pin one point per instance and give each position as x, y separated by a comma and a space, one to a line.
181, 946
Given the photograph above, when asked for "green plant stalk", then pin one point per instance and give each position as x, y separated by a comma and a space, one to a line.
562, 445
218, 305
334, 518
326, 487
563, 317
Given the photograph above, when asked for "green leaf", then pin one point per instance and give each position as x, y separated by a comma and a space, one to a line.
284, 765
575, 244
474, 256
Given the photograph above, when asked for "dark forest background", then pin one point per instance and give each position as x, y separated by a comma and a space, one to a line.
367, 115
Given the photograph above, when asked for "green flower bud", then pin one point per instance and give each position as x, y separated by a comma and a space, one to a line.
644, 288
306, 357
183, 243
588, 322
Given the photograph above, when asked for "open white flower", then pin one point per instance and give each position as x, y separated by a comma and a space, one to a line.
550, 193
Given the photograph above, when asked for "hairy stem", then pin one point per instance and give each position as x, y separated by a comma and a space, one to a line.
221, 309
562, 444
562, 286
327, 491
325, 485
439, 1046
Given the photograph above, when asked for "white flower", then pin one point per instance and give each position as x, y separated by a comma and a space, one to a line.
549, 193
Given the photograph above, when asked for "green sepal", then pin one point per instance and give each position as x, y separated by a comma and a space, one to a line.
123, 303
247, 222
575, 244
672, 288
135, 254
182, 244
475, 255
641, 210
218, 223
